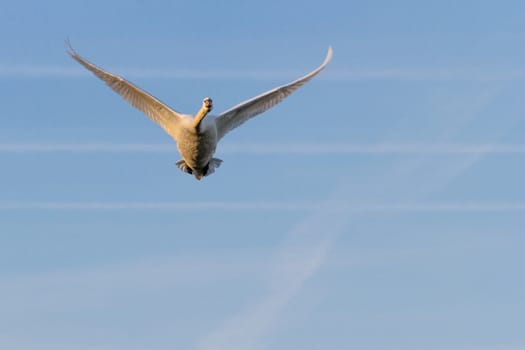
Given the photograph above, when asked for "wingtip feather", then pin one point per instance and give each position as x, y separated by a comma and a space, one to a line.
69, 48
329, 55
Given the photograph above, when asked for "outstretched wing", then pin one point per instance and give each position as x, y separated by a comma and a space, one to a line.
237, 115
159, 112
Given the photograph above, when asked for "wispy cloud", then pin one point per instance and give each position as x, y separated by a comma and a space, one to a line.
35, 304
63, 288
275, 149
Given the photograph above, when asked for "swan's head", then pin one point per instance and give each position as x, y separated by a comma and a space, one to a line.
207, 103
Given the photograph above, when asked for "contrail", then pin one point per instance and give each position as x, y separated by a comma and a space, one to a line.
275, 148
298, 258
340, 207
86, 148
30, 71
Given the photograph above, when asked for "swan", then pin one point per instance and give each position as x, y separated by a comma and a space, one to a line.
196, 136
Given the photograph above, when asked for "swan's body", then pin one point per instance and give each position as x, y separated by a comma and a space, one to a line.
197, 136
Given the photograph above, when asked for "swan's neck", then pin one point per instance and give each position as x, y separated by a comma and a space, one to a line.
200, 116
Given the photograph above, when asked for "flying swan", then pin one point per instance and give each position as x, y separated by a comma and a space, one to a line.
196, 137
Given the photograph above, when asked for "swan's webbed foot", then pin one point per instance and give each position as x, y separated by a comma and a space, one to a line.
212, 165
181, 164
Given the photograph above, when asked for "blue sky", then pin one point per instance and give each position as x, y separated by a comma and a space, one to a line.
379, 207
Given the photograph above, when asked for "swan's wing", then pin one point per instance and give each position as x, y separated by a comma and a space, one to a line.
237, 115
159, 112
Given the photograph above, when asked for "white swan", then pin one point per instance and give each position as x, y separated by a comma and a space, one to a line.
196, 137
